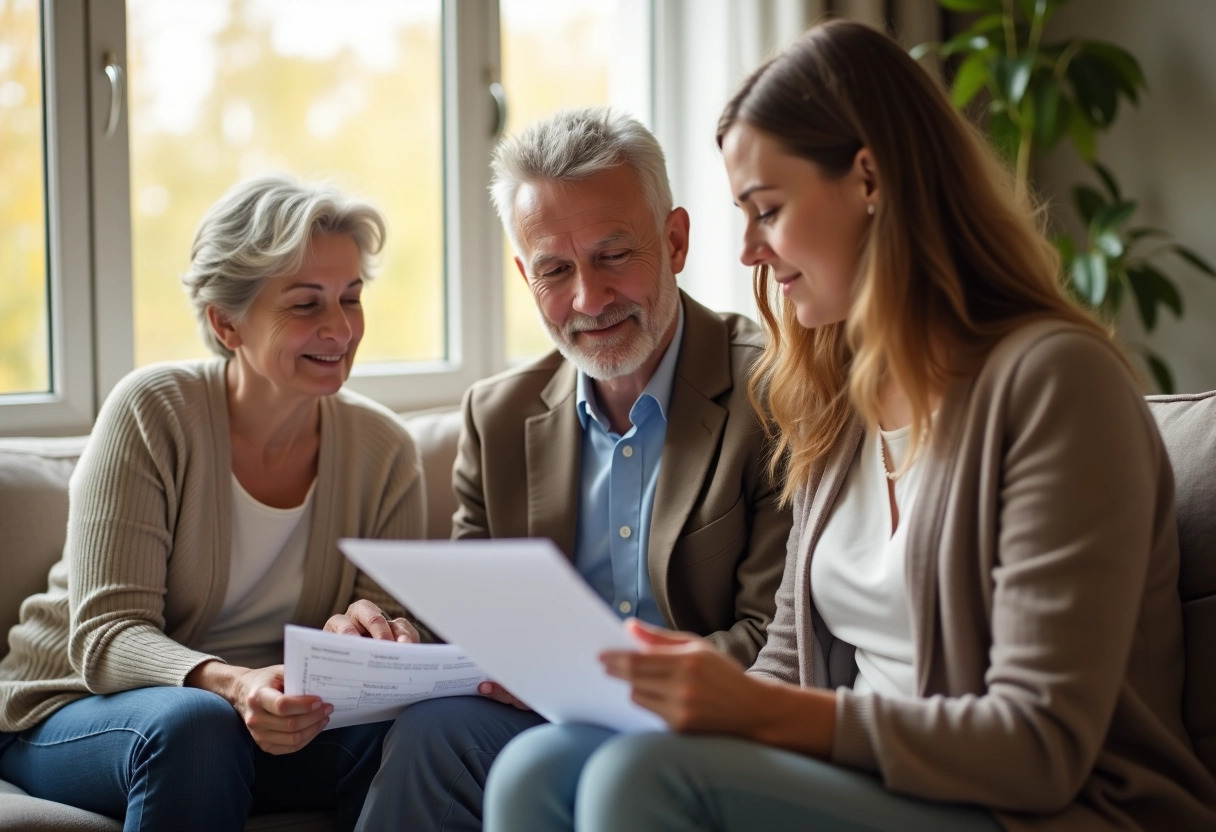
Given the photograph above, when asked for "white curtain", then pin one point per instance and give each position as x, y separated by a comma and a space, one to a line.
703, 50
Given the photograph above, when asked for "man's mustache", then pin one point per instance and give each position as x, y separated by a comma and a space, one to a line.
609, 317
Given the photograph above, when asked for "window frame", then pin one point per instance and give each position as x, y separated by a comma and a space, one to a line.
88, 222
71, 402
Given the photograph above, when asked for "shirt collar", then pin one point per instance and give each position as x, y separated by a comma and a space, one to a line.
658, 388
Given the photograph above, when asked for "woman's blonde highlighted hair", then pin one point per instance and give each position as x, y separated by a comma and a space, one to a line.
952, 261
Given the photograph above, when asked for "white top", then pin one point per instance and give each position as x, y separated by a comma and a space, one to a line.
265, 578
857, 573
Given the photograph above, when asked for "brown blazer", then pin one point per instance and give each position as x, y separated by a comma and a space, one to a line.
717, 538
1042, 575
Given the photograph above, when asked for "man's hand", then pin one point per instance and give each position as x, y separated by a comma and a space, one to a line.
363, 618
498, 693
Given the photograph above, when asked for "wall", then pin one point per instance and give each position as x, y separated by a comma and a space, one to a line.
1163, 154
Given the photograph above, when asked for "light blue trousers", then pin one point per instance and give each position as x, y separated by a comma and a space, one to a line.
563, 777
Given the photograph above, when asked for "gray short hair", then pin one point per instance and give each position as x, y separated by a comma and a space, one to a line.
261, 229
573, 144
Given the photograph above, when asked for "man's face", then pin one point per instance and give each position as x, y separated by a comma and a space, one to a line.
600, 268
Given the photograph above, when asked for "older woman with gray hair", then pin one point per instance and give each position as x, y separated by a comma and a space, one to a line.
146, 682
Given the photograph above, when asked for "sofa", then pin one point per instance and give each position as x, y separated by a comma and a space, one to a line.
33, 508
33, 514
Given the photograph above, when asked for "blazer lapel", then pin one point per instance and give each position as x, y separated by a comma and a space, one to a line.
553, 443
694, 430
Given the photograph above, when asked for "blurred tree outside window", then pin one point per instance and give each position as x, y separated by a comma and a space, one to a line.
24, 306
223, 90
560, 53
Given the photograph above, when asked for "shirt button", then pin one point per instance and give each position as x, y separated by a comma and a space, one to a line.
625, 606
626, 531
627, 451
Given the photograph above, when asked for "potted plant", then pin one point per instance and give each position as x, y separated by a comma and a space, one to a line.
1031, 92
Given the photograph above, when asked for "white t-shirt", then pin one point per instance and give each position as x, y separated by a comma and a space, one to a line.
857, 573
265, 577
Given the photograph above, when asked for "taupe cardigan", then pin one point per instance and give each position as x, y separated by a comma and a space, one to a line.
1042, 573
145, 564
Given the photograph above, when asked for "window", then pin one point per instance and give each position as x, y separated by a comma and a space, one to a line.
560, 54
172, 103
348, 92
25, 314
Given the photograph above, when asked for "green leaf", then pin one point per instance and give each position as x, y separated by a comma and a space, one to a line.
1090, 278
1017, 78
1112, 216
1089, 202
1194, 259
966, 42
971, 77
993, 6
1167, 291
1004, 135
1052, 112
1108, 179
1027, 112
1095, 88
1110, 244
1082, 133
922, 49
1114, 292
987, 24
1135, 234
1067, 249
1161, 372
1151, 289
1123, 66
1146, 297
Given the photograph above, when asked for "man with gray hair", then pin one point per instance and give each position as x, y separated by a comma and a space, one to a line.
633, 446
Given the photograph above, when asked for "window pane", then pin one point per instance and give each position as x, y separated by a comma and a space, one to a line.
565, 53
24, 332
222, 90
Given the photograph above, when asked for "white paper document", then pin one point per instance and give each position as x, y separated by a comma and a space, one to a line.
369, 680
520, 610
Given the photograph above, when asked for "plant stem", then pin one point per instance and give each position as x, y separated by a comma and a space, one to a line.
1036, 32
1022, 174
1011, 43
1065, 59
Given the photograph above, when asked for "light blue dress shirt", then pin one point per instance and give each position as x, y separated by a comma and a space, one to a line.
616, 493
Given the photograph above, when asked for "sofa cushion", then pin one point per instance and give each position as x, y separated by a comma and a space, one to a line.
33, 517
1188, 426
436, 433
21, 813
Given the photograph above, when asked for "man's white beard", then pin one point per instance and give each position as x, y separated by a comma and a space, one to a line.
629, 349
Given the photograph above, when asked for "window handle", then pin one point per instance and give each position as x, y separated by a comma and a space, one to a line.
114, 73
500, 108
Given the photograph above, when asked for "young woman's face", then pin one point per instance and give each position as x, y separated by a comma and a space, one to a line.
807, 228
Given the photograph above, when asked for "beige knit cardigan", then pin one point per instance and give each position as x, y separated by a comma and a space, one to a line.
146, 558
1042, 574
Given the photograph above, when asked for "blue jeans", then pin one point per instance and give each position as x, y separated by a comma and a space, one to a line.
562, 777
436, 758
182, 759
